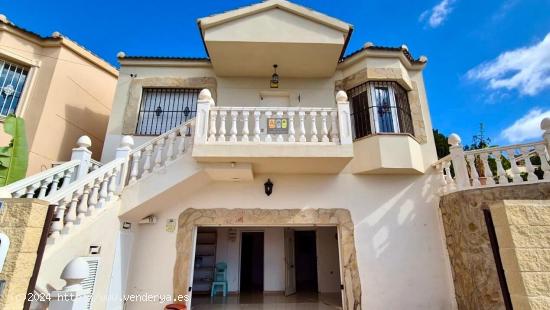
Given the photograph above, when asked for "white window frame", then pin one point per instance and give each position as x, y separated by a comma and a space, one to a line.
373, 104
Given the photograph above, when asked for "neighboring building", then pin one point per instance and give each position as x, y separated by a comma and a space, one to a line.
59, 88
313, 183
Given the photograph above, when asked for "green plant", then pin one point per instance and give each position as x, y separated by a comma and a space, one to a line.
14, 158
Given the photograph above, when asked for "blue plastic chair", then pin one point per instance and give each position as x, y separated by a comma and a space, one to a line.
220, 279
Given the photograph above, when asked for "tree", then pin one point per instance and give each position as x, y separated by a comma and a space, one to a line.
441, 144
14, 158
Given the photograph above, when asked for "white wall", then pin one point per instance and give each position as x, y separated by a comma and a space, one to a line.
229, 252
399, 244
328, 260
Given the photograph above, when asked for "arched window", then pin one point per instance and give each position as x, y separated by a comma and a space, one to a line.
4, 246
380, 107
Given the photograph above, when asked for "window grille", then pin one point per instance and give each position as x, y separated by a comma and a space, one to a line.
88, 284
12, 82
380, 107
162, 109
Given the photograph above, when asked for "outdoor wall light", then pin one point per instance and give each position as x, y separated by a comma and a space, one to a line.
268, 187
274, 78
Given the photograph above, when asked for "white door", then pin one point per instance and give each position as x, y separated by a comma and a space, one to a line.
290, 271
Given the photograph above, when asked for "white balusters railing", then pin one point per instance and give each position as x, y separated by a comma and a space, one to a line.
277, 125
496, 166
83, 197
158, 152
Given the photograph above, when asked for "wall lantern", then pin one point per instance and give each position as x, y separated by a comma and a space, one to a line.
274, 78
268, 187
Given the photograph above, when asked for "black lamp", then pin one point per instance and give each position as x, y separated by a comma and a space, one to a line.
274, 78
268, 187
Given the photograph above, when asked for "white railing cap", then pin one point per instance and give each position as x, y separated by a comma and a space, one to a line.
84, 142
454, 139
341, 96
545, 124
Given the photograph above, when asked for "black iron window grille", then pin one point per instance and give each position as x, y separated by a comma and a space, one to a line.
12, 82
162, 109
380, 107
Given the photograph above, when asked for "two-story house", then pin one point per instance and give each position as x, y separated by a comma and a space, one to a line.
280, 171
60, 89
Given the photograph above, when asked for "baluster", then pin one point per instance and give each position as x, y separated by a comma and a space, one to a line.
233, 130
112, 184
257, 115
170, 154
267, 136
334, 134
44, 187
302, 116
183, 134
67, 178
55, 183
280, 118
516, 175
544, 166
221, 137
442, 180
70, 216
487, 173
473, 171
20, 193
501, 173
94, 197
82, 208
147, 153
313, 117
103, 192
158, 155
31, 189
531, 176
324, 129
448, 176
57, 223
245, 131
135, 167
212, 137
291, 130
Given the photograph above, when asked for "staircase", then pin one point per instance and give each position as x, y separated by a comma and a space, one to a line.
89, 197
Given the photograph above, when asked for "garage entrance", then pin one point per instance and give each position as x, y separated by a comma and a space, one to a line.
269, 265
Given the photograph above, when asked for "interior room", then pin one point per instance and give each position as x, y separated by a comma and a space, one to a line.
266, 265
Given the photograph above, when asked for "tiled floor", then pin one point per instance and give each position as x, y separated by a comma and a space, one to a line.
301, 301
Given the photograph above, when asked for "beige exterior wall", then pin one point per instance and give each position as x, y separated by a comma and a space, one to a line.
22, 220
523, 232
68, 94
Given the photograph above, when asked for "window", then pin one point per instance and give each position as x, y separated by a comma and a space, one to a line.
12, 82
380, 107
162, 109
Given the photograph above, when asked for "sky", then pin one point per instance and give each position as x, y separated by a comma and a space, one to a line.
488, 61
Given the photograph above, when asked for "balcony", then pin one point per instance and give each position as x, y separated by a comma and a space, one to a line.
274, 139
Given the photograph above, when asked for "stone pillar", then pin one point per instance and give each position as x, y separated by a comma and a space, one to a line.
204, 103
123, 151
344, 118
23, 235
82, 154
459, 162
72, 296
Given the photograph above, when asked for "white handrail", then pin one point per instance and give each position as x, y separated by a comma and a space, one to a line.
43, 179
161, 137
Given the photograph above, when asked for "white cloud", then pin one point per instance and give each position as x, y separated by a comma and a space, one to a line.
527, 127
438, 13
526, 69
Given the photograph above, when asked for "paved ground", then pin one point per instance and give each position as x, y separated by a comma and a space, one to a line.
249, 301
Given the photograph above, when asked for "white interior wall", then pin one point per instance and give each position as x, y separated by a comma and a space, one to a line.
328, 260
229, 252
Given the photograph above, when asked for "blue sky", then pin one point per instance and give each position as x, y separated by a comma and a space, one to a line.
489, 61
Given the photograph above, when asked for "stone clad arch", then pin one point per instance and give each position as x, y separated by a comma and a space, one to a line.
341, 218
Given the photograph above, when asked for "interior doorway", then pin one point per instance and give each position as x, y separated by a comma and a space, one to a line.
306, 261
252, 261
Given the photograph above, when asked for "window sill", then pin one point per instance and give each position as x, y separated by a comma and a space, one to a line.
387, 134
